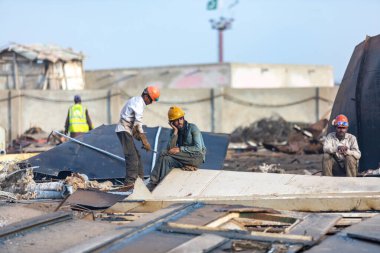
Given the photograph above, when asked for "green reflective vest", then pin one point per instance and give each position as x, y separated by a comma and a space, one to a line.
77, 119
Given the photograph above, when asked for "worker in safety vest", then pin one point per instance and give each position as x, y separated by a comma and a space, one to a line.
78, 120
129, 126
341, 151
185, 149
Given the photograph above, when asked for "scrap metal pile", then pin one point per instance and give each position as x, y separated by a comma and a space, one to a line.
33, 140
276, 134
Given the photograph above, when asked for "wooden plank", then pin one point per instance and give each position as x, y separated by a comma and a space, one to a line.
315, 225
303, 203
231, 234
345, 222
233, 225
356, 214
222, 220
203, 215
366, 230
202, 243
256, 222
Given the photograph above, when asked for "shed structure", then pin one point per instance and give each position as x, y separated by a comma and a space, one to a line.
44, 67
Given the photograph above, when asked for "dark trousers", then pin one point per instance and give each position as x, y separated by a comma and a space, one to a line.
330, 167
133, 165
166, 162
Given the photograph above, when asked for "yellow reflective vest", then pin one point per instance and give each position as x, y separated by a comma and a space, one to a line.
77, 119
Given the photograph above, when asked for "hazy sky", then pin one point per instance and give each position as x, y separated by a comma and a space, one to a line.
141, 33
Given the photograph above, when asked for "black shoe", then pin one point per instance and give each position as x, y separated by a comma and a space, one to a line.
151, 186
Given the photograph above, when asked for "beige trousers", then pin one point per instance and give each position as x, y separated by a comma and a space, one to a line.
330, 167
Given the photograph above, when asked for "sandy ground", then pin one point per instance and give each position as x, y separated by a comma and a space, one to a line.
279, 162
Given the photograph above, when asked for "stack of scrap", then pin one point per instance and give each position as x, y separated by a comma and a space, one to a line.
276, 134
18, 183
199, 227
274, 129
307, 140
33, 140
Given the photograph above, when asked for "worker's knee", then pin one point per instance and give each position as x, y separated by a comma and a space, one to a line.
327, 157
351, 160
164, 153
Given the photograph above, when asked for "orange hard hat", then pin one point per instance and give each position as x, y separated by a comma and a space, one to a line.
340, 121
153, 92
175, 112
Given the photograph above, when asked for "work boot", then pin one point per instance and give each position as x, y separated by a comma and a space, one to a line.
189, 168
151, 186
126, 187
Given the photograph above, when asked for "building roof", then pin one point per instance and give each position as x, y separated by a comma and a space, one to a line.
50, 53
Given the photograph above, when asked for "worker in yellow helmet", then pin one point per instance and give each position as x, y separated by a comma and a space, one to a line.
129, 126
78, 120
185, 148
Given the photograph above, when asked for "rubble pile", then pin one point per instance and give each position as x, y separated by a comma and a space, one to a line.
274, 129
18, 183
276, 134
14, 179
33, 140
81, 181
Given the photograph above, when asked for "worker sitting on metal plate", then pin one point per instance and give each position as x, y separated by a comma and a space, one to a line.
78, 120
341, 150
185, 148
130, 124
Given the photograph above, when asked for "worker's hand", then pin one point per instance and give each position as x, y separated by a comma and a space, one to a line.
147, 146
342, 150
145, 143
174, 150
175, 129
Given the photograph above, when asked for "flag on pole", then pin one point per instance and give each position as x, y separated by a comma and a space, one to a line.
212, 5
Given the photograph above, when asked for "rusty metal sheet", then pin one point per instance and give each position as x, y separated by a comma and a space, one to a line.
93, 199
358, 98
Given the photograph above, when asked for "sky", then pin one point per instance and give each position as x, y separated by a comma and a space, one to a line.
145, 33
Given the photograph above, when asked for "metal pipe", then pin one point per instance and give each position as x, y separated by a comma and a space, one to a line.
92, 147
155, 148
220, 47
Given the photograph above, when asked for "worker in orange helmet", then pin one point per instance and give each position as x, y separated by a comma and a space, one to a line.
185, 148
341, 150
129, 126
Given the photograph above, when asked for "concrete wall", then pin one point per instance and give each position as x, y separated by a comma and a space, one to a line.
280, 75
22, 109
218, 110
185, 76
213, 76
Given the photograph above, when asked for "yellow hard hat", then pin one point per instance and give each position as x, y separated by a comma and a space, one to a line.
175, 112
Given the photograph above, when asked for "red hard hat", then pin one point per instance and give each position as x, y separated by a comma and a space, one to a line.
153, 92
341, 120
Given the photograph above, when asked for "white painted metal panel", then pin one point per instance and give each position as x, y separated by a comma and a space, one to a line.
210, 183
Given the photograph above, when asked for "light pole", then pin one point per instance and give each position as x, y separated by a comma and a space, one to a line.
221, 25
